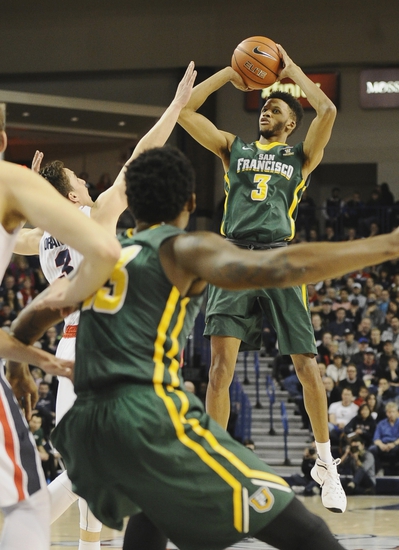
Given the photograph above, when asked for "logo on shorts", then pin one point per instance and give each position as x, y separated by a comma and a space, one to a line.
262, 500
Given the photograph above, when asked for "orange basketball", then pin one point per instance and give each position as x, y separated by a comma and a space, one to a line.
257, 61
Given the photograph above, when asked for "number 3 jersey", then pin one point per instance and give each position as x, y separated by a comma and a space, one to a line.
263, 187
58, 260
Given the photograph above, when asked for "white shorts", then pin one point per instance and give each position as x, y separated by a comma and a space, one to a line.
21, 472
65, 394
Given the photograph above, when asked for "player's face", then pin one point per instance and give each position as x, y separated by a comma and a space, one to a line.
80, 188
274, 117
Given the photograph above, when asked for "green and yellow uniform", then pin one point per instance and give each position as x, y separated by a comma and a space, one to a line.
134, 439
263, 187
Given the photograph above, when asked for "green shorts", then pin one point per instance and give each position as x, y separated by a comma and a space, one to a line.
153, 448
239, 314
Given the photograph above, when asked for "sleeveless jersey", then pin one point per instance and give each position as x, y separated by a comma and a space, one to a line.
134, 328
263, 187
58, 259
7, 244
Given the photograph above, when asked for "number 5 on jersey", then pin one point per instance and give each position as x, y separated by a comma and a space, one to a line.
110, 298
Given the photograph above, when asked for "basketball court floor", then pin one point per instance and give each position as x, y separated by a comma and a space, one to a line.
370, 523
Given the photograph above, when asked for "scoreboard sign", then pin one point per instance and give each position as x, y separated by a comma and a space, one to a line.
379, 88
328, 82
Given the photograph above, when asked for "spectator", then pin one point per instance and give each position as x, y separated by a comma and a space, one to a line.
357, 295
386, 197
363, 424
326, 313
391, 373
368, 368
313, 236
373, 312
364, 329
323, 349
377, 411
332, 210
384, 278
383, 303
361, 398
330, 235
348, 347
50, 340
332, 391
7, 316
282, 367
27, 292
37, 375
352, 380
340, 324
11, 298
372, 213
354, 313
386, 441
340, 413
358, 357
359, 463
343, 300
384, 392
304, 484
353, 211
337, 370
392, 333
45, 406
317, 328
375, 340
386, 354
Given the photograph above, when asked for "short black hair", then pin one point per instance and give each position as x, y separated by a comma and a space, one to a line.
159, 182
54, 173
294, 105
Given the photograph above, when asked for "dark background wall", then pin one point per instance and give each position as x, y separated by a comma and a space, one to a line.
135, 52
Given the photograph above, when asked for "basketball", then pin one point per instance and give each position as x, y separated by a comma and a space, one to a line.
257, 61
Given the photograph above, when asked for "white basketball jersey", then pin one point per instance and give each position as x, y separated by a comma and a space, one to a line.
58, 260
7, 245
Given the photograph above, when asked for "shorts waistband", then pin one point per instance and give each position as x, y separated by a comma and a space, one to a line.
70, 331
252, 245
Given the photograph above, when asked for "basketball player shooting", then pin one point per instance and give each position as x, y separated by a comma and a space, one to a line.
264, 182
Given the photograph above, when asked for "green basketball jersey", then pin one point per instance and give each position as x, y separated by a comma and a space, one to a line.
134, 327
263, 187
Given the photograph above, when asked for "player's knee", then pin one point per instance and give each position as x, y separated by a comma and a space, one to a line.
307, 369
220, 375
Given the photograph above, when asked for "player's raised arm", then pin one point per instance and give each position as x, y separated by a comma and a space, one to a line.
35, 200
110, 204
201, 128
320, 129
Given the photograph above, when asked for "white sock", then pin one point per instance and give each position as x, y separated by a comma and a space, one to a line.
83, 545
61, 495
90, 525
324, 452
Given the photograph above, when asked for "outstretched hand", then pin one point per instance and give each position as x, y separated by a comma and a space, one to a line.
183, 92
37, 161
287, 63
